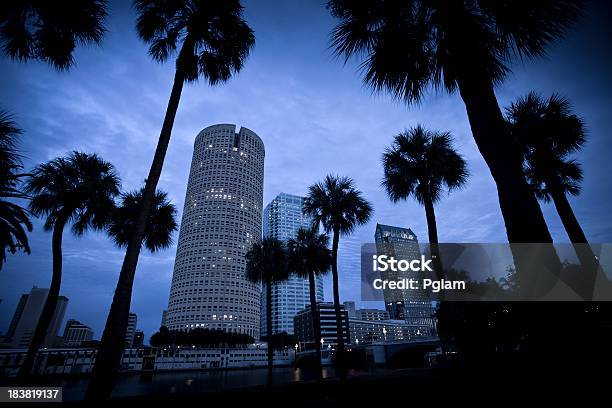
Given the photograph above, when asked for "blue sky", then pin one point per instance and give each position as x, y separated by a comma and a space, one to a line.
314, 116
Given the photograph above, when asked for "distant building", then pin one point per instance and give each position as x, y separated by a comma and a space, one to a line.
138, 339
414, 306
302, 323
164, 318
76, 334
350, 309
384, 331
27, 314
371, 314
131, 330
282, 218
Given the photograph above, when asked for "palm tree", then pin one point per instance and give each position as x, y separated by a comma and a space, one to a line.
266, 264
49, 31
409, 47
547, 133
309, 256
14, 219
160, 226
420, 164
77, 189
339, 207
212, 41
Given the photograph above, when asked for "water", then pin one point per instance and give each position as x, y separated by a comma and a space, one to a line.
135, 384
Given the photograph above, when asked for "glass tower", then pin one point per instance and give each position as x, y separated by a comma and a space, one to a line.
282, 219
414, 306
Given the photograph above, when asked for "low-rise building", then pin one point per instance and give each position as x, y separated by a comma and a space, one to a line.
304, 329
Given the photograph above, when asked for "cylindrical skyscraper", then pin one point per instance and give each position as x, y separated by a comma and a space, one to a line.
221, 219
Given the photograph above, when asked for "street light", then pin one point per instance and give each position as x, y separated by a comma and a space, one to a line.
322, 341
385, 333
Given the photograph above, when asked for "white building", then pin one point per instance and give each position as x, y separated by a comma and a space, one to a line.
27, 313
282, 219
79, 361
221, 220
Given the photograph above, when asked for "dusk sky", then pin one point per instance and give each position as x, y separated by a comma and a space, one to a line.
314, 116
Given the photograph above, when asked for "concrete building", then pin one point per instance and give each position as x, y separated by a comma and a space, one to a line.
372, 314
131, 329
64, 361
384, 331
282, 219
76, 333
414, 306
304, 330
350, 309
27, 313
221, 219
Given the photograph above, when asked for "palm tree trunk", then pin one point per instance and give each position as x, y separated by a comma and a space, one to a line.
339, 331
269, 326
521, 212
432, 230
585, 254
40, 333
111, 346
522, 215
316, 327
568, 218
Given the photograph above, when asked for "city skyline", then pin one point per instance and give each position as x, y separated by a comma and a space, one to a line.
313, 115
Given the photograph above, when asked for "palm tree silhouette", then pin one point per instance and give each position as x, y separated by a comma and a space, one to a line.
160, 225
339, 207
212, 41
14, 219
410, 47
420, 164
266, 264
547, 133
309, 256
49, 31
78, 189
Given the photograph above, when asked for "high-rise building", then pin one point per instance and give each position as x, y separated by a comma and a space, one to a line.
414, 306
304, 329
349, 305
221, 220
25, 319
282, 219
131, 329
76, 333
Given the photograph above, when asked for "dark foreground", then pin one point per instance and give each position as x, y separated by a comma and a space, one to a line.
487, 384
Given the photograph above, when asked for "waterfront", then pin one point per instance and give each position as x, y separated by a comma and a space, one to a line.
191, 381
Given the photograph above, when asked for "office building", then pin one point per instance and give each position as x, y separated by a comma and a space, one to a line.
372, 315
282, 219
304, 330
131, 329
76, 334
221, 220
349, 305
414, 306
384, 331
27, 314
